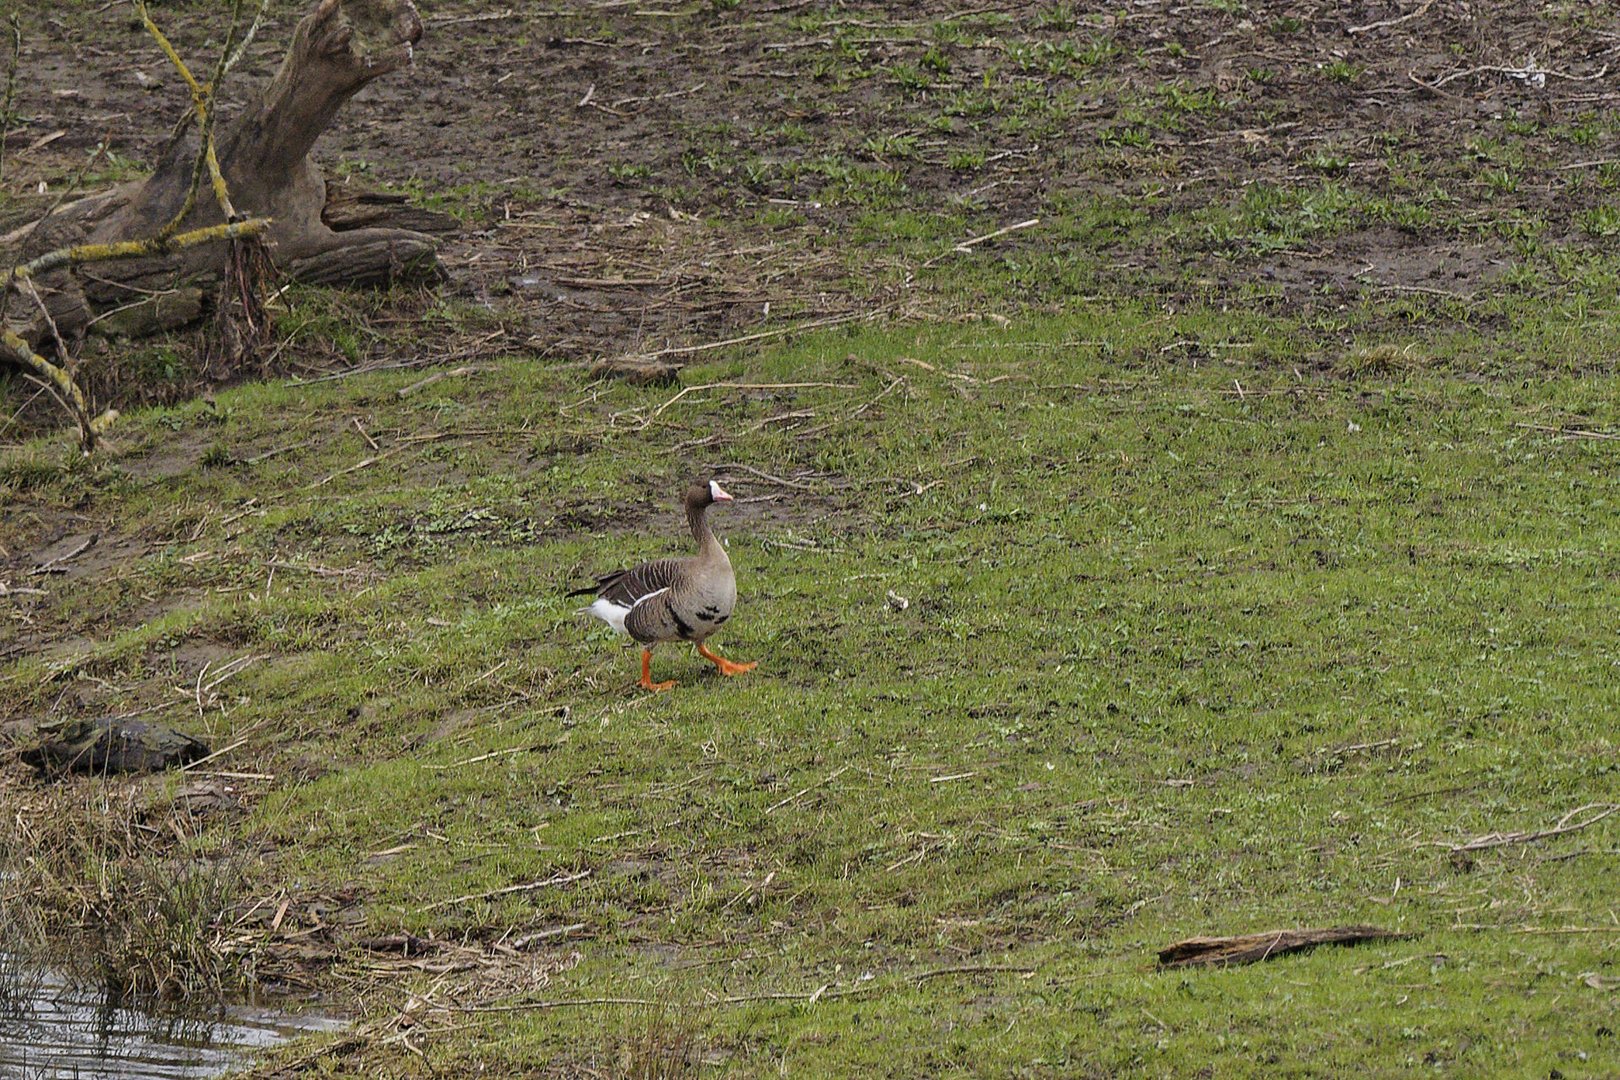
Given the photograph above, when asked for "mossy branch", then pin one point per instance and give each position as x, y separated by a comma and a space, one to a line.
230, 61
62, 386
202, 104
136, 249
17, 350
14, 26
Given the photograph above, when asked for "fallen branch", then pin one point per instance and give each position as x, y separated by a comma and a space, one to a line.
1566, 824
1249, 948
1384, 24
1573, 433
137, 249
555, 879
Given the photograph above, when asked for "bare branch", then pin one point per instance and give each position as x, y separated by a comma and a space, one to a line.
247, 40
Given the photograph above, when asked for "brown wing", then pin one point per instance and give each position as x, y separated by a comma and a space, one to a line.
625, 587
654, 619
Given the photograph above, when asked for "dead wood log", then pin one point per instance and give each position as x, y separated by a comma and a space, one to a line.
263, 156
349, 209
1248, 948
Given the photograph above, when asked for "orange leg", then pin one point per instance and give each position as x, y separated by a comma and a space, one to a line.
646, 673
724, 666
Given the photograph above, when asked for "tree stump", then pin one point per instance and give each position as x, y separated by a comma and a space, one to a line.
337, 48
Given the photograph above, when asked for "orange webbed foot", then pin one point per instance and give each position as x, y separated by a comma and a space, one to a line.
646, 682
724, 666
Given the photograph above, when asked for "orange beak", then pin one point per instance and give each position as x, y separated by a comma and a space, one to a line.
720, 493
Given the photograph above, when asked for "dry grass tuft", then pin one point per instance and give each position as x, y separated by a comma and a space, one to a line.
1381, 359
101, 883
662, 1050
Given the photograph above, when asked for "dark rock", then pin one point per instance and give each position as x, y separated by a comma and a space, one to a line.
403, 944
108, 745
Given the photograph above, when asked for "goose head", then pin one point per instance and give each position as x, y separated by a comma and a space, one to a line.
705, 493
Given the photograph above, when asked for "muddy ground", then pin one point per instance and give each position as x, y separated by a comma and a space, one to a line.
635, 176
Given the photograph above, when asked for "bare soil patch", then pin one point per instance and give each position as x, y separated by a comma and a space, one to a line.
631, 182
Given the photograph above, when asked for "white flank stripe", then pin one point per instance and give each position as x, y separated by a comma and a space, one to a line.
643, 599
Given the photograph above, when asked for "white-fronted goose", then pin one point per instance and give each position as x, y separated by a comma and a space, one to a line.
674, 599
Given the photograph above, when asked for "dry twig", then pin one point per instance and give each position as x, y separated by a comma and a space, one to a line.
555, 879
779, 481
656, 413
1573, 433
972, 969
969, 245
453, 373
807, 790
833, 320
480, 757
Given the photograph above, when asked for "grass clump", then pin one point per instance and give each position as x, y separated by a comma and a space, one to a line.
1381, 359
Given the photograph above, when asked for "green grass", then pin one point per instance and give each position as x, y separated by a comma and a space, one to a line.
1225, 587
1096, 632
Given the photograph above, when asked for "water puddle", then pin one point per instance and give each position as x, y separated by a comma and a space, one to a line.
51, 1029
